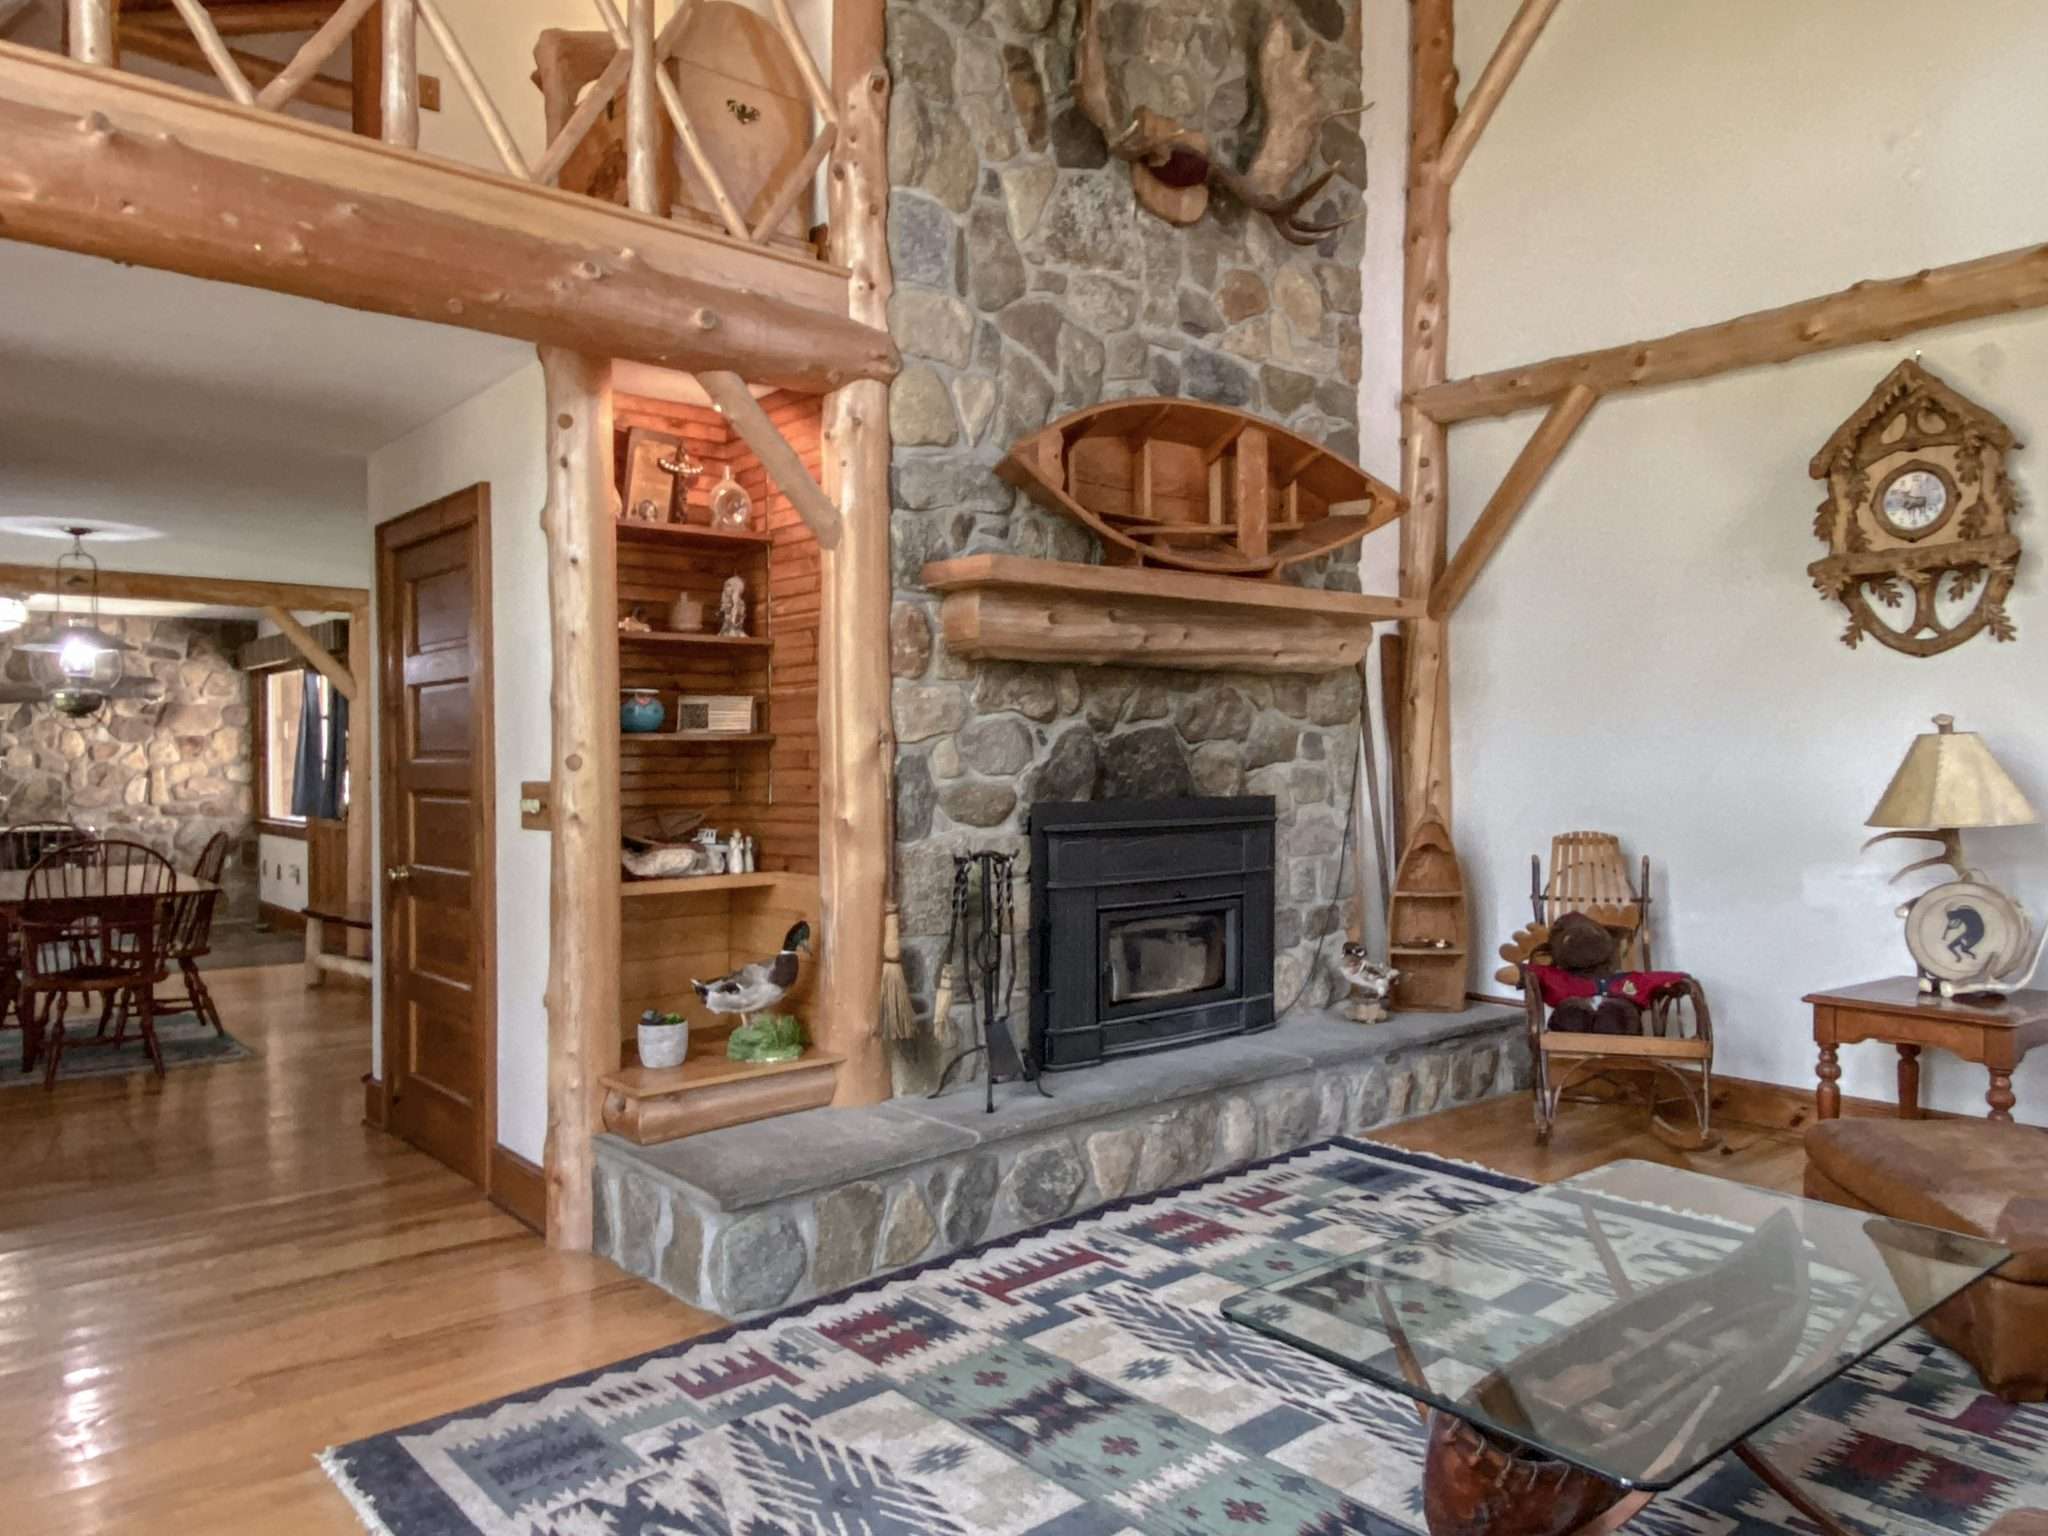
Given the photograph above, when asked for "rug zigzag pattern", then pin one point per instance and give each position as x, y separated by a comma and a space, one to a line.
1080, 1381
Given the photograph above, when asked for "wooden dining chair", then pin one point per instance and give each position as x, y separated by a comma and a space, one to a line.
23, 844
187, 936
109, 946
91, 925
212, 860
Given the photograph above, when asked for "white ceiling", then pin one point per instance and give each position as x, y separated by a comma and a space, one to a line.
92, 351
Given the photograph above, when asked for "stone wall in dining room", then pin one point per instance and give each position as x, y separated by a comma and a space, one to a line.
1029, 283
167, 772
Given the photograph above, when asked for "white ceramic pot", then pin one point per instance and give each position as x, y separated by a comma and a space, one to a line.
664, 1045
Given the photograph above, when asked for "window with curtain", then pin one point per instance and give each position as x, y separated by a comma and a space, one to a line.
305, 747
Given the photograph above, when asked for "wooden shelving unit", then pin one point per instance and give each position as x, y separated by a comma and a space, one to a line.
762, 781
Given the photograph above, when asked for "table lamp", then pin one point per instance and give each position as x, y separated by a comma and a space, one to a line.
1965, 933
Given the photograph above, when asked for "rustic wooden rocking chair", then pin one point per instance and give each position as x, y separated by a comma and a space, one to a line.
1588, 875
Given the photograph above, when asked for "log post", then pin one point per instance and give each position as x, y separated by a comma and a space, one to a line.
401, 107
856, 734
583, 883
89, 25
643, 112
1425, 747
316, 655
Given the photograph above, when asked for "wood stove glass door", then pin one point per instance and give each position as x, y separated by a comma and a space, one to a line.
1155, 958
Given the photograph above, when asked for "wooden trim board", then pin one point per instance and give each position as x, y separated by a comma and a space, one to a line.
519, 1188
376, 1103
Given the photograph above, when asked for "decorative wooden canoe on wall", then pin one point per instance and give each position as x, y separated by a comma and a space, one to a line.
1198, 487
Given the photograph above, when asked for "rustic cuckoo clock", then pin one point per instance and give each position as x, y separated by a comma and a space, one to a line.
1918, 517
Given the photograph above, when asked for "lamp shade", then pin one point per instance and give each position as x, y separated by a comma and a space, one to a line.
1950, 779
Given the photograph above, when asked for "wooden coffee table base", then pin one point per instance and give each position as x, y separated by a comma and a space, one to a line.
1477, 1484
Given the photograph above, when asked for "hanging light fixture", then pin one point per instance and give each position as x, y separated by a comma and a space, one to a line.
88, 661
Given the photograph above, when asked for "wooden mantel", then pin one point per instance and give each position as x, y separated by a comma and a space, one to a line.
1011, 608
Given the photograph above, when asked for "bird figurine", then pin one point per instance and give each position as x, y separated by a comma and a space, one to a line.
752, 988
1372, 981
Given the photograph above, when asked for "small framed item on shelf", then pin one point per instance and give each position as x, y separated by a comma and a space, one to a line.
650, 489
732, 713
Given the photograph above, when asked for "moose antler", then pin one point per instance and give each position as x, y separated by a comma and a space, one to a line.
1173, 166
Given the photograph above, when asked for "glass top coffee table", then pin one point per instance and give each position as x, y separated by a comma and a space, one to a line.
1579, 1348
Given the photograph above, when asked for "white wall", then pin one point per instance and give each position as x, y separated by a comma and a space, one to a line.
1646, 654
498, 438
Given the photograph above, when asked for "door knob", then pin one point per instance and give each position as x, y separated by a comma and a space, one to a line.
398, 874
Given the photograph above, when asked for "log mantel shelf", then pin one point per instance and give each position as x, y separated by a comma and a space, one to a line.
1007, 607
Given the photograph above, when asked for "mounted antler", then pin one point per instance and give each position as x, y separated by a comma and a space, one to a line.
1173, 167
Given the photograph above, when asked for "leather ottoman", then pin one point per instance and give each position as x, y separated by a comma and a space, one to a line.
1974, 1176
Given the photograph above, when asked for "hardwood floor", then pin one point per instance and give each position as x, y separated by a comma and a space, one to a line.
204, 1282
1501, 1134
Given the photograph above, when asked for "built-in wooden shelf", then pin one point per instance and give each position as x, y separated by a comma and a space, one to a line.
649, 1104
634, 532
701, 738
1009, 608
1431, 895
1425, 951
661, 639
692, 885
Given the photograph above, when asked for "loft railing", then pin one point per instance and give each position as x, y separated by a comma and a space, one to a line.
635, 66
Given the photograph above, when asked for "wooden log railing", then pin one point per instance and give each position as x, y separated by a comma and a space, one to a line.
97, 30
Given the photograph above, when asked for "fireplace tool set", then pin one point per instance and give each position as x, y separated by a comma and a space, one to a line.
984, 931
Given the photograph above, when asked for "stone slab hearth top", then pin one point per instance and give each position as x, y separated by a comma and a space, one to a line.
744, 1166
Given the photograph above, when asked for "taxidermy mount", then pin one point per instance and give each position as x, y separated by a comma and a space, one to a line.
1918, 519
1174, 165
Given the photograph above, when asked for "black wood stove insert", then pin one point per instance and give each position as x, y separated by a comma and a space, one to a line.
1152, 925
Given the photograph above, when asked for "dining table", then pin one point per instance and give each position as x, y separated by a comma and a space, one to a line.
14, 888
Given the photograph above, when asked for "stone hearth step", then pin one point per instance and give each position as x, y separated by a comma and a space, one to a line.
748, 1218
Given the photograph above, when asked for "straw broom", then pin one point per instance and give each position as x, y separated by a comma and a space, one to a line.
897, 1018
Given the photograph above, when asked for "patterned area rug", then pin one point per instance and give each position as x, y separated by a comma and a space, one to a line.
1078, 1380
186, 1039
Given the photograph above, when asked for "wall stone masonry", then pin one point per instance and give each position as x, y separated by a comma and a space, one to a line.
1028, 284
754, 1217
167, 772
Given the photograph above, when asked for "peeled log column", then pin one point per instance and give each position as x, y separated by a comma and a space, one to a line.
89, 24
857, 739
583, 882
1425, 746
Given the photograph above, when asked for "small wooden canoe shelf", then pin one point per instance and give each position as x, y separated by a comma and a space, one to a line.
1005, 607
1198, 487
706, 1093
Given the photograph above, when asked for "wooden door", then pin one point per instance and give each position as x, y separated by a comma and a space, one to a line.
435, 788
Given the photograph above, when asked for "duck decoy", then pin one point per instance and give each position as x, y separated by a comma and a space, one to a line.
752, 988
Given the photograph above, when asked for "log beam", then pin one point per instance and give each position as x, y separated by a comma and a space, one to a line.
224, 590
1424, 750
1876, 310
856, 731
104, 164
1550, 438
729, 392
316, 655
243, 20
1494, 80
583, 881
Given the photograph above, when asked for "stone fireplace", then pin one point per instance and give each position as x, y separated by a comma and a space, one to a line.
1029, 283
1152, 927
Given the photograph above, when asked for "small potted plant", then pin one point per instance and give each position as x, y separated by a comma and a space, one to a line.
664, 1039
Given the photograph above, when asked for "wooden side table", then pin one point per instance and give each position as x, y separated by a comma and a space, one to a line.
1898, 1012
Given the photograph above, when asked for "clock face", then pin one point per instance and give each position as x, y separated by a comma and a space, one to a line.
1915, 501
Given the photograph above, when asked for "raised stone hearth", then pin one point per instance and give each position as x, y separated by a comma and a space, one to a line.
750, 1218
